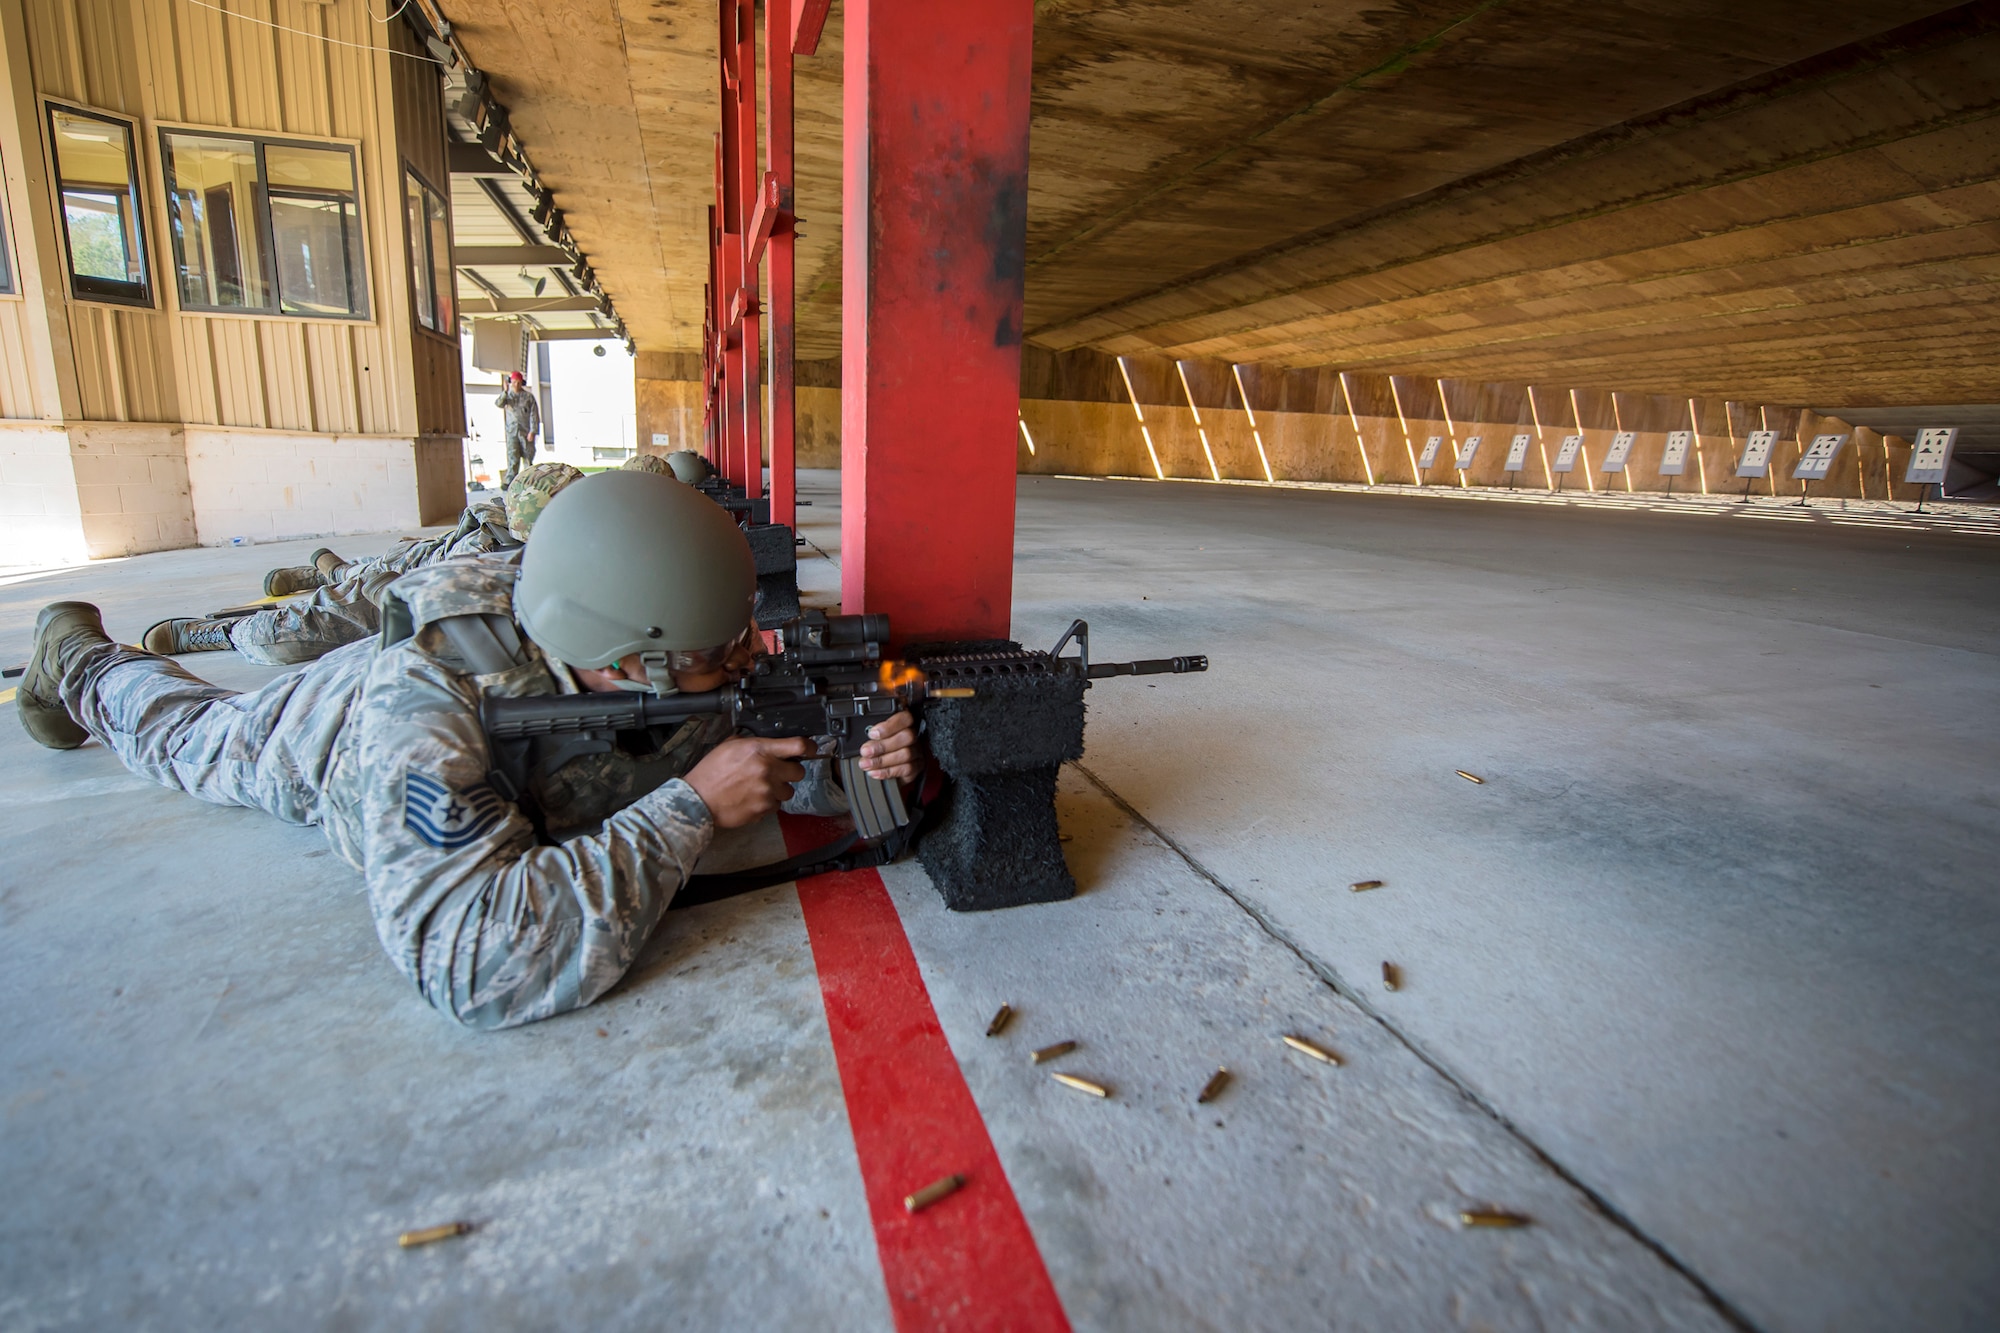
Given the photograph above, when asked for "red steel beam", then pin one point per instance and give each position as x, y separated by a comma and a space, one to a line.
773, 209
807, 21
934, 239
774, 221
729, 256
748, 402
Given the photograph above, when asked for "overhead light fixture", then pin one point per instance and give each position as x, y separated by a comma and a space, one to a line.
493, 130
439, 44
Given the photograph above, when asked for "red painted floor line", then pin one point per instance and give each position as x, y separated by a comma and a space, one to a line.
969, 1261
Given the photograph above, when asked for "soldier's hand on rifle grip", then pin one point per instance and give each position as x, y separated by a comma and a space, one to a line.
893, 750
747, 777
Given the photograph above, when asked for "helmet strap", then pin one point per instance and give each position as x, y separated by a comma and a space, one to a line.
657, 676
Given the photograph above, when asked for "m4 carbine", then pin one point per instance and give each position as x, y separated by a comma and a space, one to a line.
829, 681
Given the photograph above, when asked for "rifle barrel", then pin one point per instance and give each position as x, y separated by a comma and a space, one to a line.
1154, 666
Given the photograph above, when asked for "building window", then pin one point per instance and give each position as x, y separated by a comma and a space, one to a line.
7, 287
431, 278
214, 189
265, 226
97, 181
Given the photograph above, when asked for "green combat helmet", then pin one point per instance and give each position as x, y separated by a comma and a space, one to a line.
531, 492
653, 463
690, 466
627, 562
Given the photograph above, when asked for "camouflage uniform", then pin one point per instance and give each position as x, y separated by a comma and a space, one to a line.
308, 628
524, 422
381, 747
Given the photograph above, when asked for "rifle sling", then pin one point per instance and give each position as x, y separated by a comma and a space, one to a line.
848, 852
832, 856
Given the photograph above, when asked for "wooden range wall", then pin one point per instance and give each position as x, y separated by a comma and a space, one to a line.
1321, 425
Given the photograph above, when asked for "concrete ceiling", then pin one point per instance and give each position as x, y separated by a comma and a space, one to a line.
1788, 200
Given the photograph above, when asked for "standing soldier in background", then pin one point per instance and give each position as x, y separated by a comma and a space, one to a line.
524, 423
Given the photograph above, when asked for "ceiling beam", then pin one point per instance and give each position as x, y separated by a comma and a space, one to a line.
466, 256
469, 159
573, 335
526, 305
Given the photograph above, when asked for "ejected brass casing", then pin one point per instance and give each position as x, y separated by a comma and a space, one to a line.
1364, 885
1392, 976
1213, 1088
429, 1234
1304, 1047
1082, 1085
1491, 1217
1051, 1052
1000, 1021
1469, 777
956, 692
932, 1192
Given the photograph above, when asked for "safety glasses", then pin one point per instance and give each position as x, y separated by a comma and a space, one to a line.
714, 659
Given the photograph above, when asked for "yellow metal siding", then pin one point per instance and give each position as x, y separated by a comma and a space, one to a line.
330, 362
177, 63
287, 391
17, 380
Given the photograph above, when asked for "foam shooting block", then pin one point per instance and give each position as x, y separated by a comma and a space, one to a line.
992, 840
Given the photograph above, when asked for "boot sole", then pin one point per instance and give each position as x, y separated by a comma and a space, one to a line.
50, 723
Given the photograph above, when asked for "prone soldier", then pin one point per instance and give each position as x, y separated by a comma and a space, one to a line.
628, 582
347, 608
690, 466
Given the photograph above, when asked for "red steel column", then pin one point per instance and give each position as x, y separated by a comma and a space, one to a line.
784, 346
728, 239
934, 237
750, 403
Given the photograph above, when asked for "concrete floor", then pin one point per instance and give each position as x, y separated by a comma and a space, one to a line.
1702, 978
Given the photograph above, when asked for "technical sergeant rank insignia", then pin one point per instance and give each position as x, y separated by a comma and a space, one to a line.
446, 818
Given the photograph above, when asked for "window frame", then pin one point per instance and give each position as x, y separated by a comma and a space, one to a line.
410, 244
136, 183
10, 254
267, 238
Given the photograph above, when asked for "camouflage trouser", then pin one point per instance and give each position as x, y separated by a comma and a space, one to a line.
166, 724
520, 454
305, 629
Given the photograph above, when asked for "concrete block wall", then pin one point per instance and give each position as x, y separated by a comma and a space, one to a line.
132, 487
41, 518
272, 485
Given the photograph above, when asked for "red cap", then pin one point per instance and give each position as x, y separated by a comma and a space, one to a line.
517, 377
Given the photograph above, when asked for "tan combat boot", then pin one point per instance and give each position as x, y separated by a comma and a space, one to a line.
293, 578
191, 634
329, 565
39, 698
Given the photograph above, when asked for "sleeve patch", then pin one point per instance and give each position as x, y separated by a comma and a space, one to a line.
449, 818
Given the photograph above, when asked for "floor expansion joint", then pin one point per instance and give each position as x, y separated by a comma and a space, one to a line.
1334, 981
